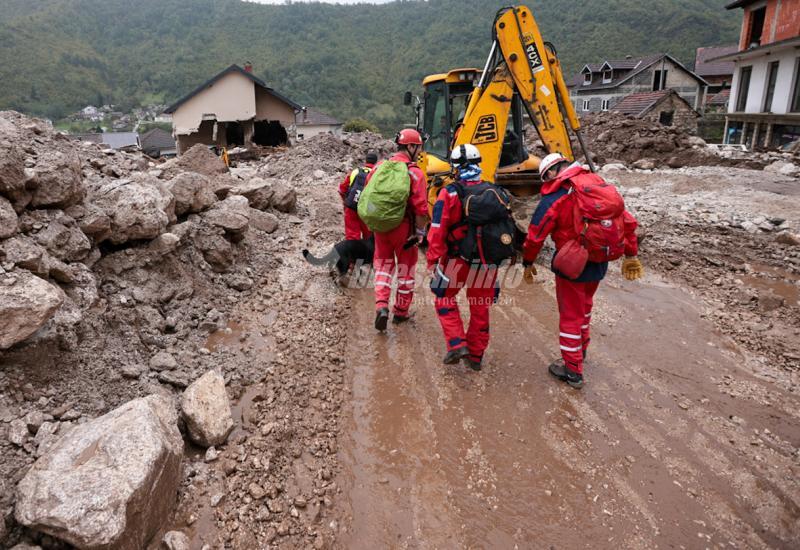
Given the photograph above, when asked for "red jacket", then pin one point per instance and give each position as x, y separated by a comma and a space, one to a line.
348, 179
418, 198
447, 212
555, 213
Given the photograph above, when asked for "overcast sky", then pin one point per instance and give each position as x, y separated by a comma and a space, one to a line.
326, 1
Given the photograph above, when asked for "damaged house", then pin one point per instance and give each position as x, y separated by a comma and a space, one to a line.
600, 86
234, 108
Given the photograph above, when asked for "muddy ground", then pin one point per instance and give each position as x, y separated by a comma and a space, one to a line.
687, 434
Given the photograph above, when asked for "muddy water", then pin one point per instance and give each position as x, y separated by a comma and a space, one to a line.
672, 443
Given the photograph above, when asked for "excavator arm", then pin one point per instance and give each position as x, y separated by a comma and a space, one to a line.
522, 72
519, 62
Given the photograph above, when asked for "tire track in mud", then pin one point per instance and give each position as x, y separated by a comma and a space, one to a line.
656, 451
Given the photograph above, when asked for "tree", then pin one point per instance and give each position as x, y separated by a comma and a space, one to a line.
358, 125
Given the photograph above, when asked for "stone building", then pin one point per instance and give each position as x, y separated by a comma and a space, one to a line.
665, 107
600, 86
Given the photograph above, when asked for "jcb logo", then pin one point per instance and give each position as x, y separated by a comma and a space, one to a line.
486, 131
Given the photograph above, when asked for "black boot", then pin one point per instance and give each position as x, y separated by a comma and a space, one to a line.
475, 363
400, 319
560, 371
381, 318
455, 355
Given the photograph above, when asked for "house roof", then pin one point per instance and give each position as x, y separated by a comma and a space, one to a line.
642, 103
232, 69
705, 63
740, 4
91, 138
636, 64
157, 139
720, 98
310, 117
120, 140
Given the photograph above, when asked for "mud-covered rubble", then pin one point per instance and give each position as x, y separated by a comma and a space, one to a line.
618, 138
154, 264
732, 235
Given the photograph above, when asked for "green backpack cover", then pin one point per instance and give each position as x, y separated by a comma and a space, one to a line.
382, 204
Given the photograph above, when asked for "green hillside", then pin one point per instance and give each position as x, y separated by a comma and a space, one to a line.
348, 60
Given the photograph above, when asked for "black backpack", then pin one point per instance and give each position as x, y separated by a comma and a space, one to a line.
355, 189
486, 211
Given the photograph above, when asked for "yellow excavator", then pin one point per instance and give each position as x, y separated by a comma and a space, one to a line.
522, 75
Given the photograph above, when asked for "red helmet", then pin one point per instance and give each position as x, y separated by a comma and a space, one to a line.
408, 136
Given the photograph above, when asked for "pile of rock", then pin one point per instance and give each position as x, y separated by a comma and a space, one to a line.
113, 481
65, 205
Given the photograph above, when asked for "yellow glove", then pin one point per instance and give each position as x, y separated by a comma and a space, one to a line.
632, 268
528, 274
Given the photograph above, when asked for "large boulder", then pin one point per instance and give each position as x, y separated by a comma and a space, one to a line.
9, 222
65, 242
193, 192
232, 215
26, 304
12, 175
263, 221
24, 252
108, 483
284, 198
207, 410
139, 208
783, 168
59, 180
199, 159
258, 192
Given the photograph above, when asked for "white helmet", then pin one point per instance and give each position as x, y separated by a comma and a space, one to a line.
549, 161
465, 154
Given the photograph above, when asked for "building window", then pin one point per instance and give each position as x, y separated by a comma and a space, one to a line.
607, 76
659, 79
666, 117
585, 105
744, 88
604, 105
757, 18
772, 77
796, 92
587, 79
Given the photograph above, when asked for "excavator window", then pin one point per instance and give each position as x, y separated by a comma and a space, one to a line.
435, 122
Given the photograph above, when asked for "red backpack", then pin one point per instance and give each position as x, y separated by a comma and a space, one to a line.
599, 223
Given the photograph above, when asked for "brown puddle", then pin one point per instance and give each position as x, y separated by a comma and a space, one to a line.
441, 457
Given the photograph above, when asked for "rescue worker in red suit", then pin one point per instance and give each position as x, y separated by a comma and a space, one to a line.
451, 273
396, 250
354, 228
554, 216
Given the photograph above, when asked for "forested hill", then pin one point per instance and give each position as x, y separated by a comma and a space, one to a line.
349, 60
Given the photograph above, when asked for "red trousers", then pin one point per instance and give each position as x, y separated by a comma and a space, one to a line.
390, 257
481, 294
354, 228
575, 315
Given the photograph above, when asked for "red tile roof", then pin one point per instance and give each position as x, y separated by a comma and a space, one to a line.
721, 98
636, 104
705, 67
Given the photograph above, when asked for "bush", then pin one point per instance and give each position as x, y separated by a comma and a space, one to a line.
358, 125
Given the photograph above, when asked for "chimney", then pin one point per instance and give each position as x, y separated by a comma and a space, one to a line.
248, 67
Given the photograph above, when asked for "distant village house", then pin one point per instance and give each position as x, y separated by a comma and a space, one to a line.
764, 110
311, 123
600, 86
234, 108
718, 75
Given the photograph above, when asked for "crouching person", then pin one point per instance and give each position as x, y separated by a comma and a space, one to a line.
589, 225
471, 234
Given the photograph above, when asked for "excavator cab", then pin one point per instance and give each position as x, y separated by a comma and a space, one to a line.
444, 105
